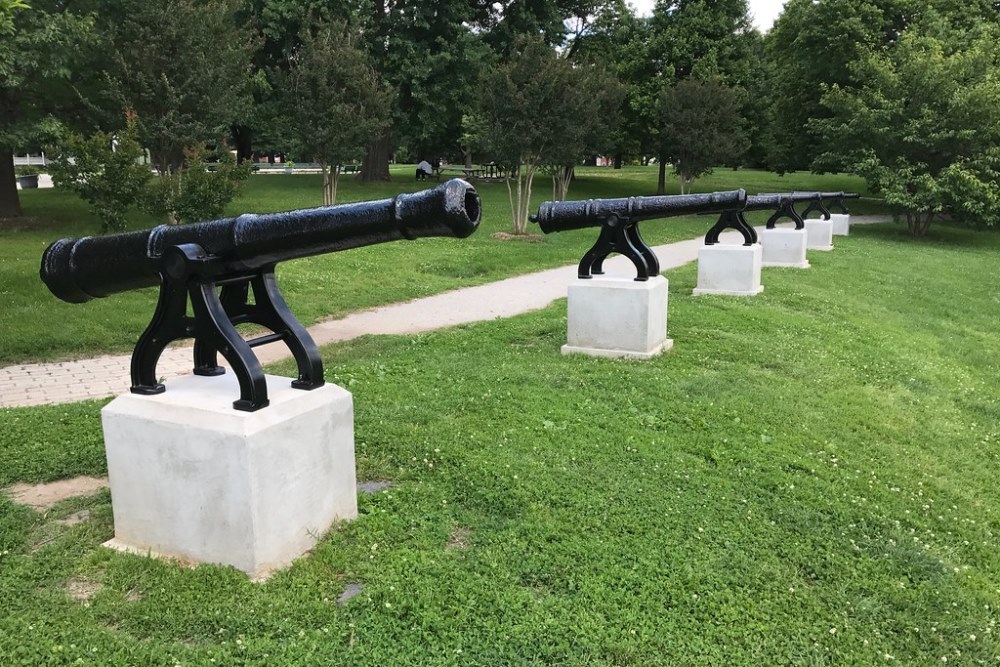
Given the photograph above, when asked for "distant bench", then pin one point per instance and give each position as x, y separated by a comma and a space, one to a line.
481, 172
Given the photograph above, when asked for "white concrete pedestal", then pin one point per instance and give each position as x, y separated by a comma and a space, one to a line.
728, 269
784, 247
617, 317
819, 234
841, 224
194, 479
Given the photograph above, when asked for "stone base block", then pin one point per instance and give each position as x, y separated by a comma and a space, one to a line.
617, 317
841, 224
731, 270
194, 479
819, 234
784, 247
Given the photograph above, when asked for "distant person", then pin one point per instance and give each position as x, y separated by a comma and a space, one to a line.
424, 169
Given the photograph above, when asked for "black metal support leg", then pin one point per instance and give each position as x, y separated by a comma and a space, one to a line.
272, 312
787, 210
217, 330
169, 323
732, 220
616, 236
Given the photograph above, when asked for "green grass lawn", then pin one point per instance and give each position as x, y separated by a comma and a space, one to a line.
808, 478
36, 326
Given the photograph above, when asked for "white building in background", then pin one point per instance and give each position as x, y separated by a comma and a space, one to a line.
28, 158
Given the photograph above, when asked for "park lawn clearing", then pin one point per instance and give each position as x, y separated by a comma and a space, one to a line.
39, 327
807, 478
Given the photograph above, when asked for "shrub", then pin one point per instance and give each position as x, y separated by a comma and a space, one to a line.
196, 192
105, 171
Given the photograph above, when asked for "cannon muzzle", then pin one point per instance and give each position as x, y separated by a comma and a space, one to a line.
567, 215
77, 270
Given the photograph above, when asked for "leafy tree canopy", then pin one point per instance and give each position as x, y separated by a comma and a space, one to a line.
923, 124
184, 66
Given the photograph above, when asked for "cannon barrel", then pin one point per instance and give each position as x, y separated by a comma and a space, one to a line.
77, 270
795, 196
567, 215
766, 202
832, 195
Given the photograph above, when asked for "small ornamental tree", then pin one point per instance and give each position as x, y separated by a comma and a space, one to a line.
537, 110
105, 171
336, 103
593, 103
923, 125
195, 193
185, 66
701, 128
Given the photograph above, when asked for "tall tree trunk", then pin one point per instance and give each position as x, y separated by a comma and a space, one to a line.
243, 142
375, 166
661, 180
10, 202
467, 155
331, 175
618, 160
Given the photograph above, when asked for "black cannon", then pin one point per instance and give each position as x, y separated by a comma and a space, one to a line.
787, 209
239, 255
618, 220
832, 200
733, 218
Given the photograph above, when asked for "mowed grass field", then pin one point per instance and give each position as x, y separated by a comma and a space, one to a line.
807, 478
36, 326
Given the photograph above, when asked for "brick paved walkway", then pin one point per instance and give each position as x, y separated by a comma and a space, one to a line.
99, 377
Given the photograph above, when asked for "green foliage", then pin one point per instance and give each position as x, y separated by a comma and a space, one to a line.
541, 109
592, 107
7, 9
923, 124
38, 55
434, 62
105, 171
196, 193
813, 44
701, 127
334, 102
184, 66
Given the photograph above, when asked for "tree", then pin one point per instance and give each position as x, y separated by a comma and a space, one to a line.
620, 41
923, 125
196, 193
532, 106
39, 48
105, 171
336, 103
7, 10
813, 44
591, 108
184, 66
701, 128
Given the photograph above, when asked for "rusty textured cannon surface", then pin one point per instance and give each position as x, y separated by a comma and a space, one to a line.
618, 220
238, 255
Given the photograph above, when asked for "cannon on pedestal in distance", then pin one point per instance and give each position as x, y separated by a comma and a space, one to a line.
619, 219
820, 202
733, 218
829, 200
787, 207
192, 262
